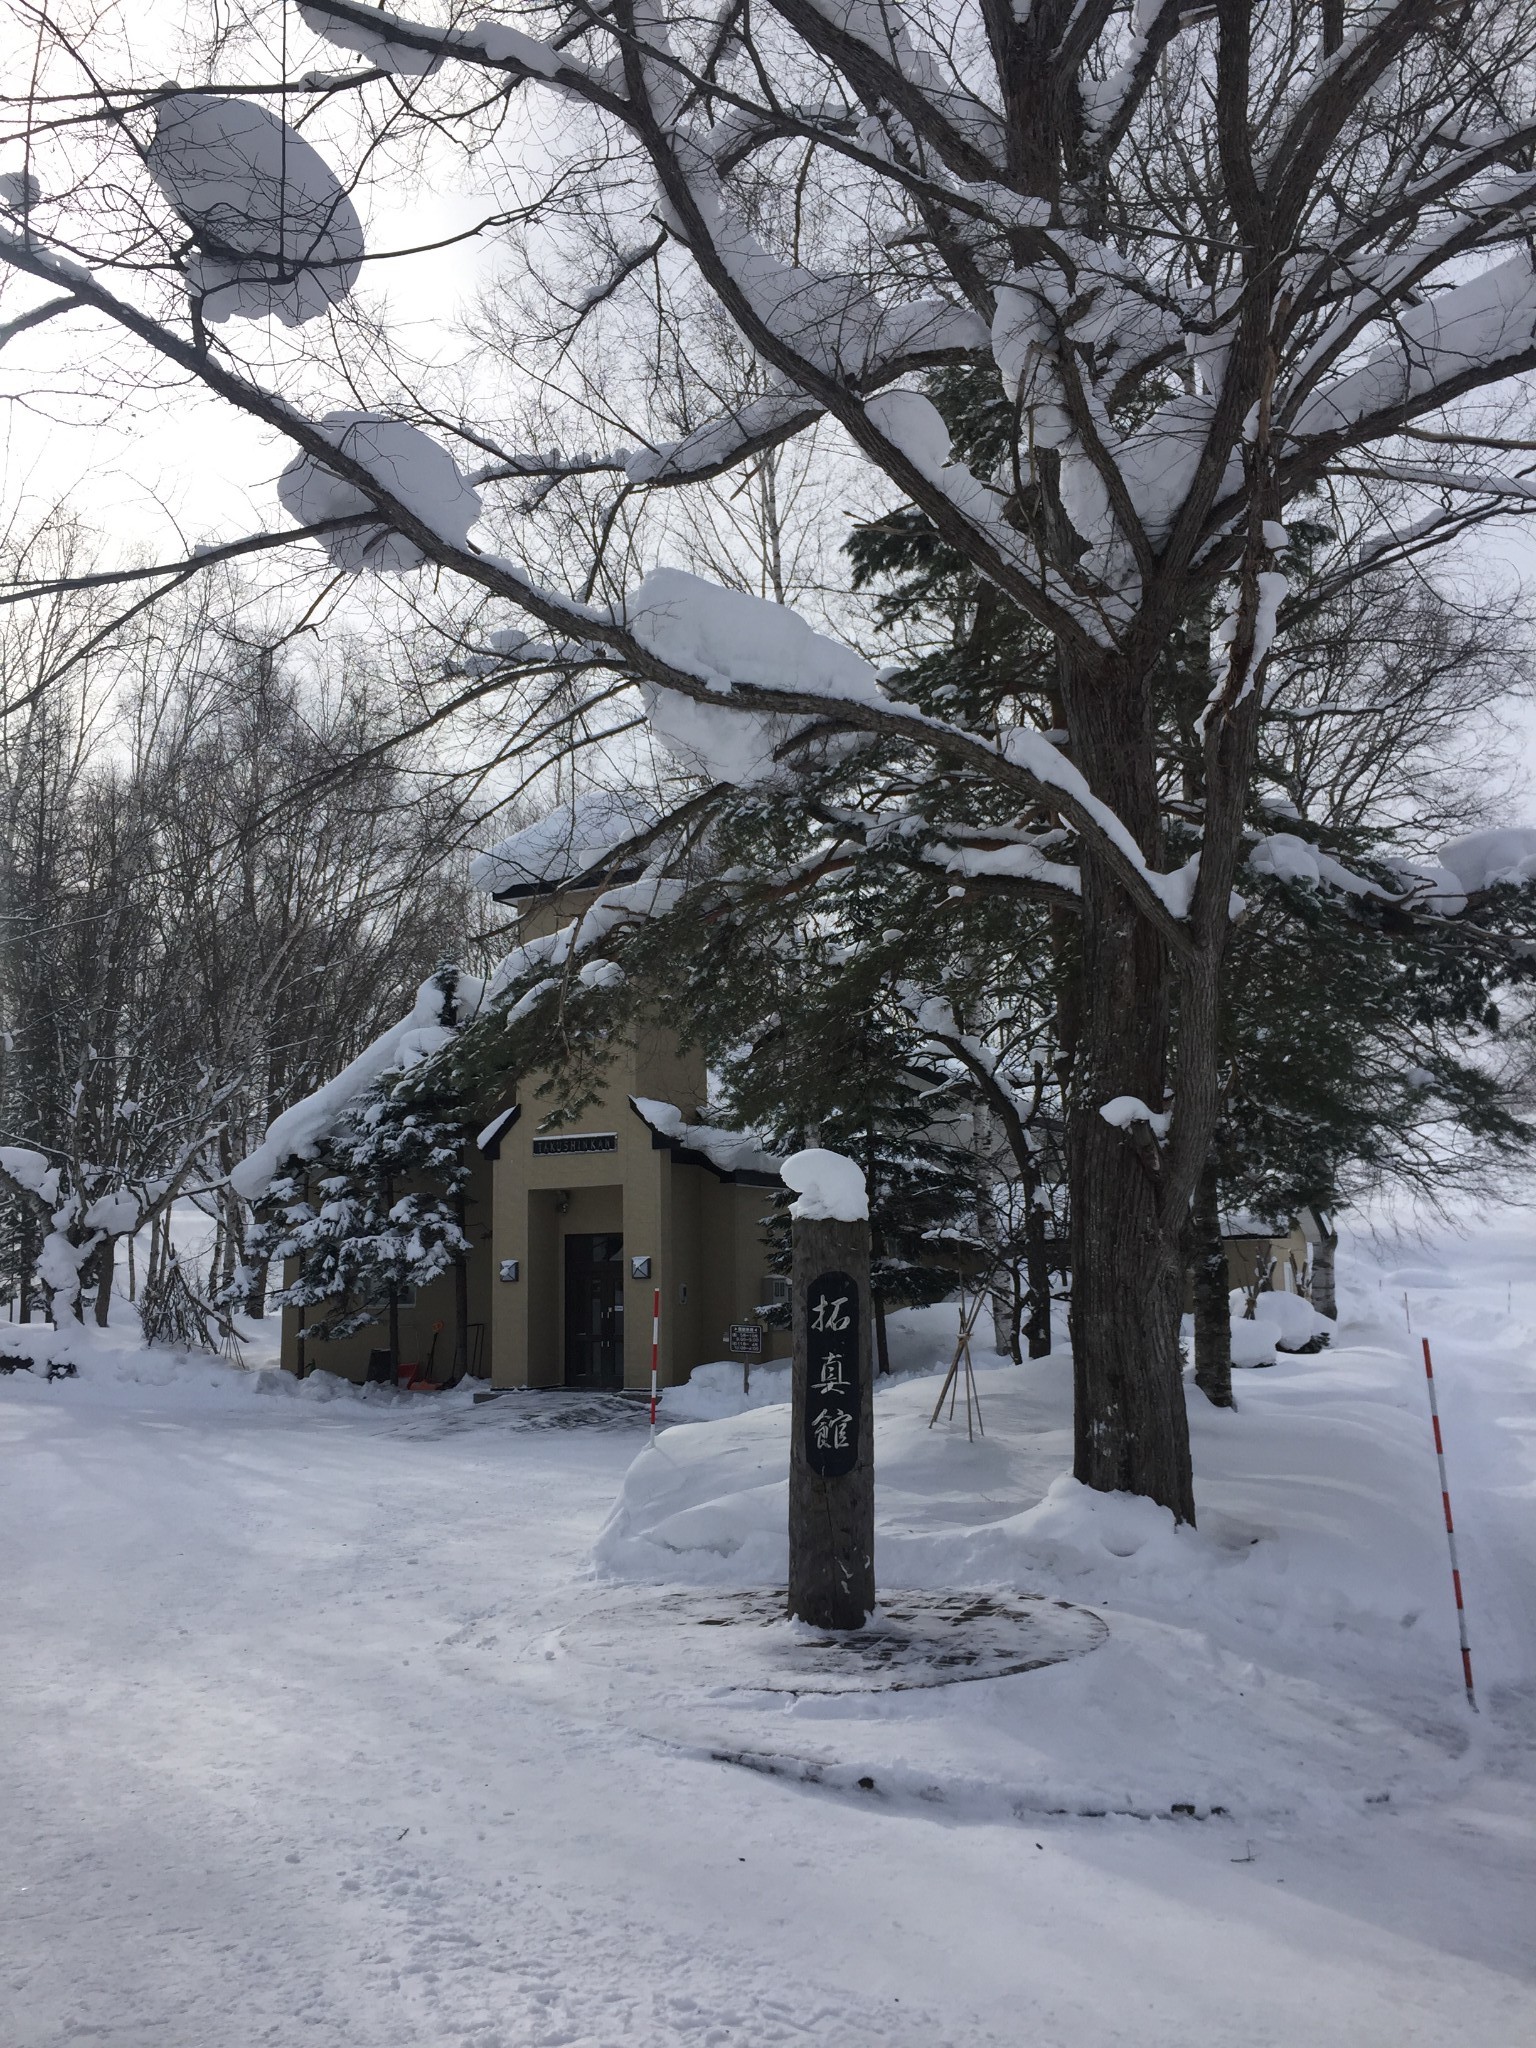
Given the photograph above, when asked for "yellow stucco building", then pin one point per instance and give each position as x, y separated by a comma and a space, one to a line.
578, 1231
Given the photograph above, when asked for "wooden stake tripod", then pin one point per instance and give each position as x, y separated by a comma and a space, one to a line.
962, 1358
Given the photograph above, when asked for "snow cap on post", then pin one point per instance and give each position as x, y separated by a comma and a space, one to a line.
277, 236
409, 464
829, 1187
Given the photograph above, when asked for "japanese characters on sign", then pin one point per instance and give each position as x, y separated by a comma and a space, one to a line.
747, 1337
832, 1375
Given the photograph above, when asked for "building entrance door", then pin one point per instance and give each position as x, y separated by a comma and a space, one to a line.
594, 1310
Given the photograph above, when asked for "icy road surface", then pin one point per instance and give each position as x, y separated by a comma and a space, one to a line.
284, 1763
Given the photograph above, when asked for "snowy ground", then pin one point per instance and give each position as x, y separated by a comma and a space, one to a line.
321, 1727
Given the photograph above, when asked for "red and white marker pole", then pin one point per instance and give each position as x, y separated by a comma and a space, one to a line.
1450, 1530
655, 1350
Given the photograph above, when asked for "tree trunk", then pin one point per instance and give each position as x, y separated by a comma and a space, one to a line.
256, 1289
1002, 1288
1130, 1425
27, 1262
1213, 1314
1324, 1297
882, 1338
234, 1238
1037, 1265
460, 1305
831, 1457
106, 1269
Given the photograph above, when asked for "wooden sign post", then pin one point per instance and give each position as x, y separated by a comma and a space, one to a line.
831, 1459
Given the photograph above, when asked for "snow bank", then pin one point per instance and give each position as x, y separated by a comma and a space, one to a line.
712, 1392
828, 1187
1298, 1648
110, 1362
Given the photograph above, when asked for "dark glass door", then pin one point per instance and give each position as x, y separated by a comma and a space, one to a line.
594, 1311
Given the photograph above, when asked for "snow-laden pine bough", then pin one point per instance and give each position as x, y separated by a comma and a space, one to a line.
1220, 258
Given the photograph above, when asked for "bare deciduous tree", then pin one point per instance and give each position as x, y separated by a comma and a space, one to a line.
1221, 255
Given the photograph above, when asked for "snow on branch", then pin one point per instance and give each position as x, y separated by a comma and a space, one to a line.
1468, 335
414, 468
276, 236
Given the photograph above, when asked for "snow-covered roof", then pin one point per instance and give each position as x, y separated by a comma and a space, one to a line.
489, 1140
569, 845
734, 1155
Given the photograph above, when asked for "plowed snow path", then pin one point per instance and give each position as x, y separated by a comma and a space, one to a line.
275, 1770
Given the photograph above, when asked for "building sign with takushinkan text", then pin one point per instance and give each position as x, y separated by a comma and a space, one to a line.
832, 1375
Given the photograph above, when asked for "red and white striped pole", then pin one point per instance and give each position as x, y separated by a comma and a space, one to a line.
655, 1350
1450, 1530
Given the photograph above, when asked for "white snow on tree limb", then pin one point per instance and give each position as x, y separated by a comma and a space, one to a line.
718, 443
832, 322
1031, 750
1489, 320
506, 45
1272, 591
1020, 862
58, 1264
1483, 859
375, 44
1292, 859
828, 1186
601, 974
1125, 1110
114, 1214
19, 190
276, 234
726, 637
30, 1170
408, 464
